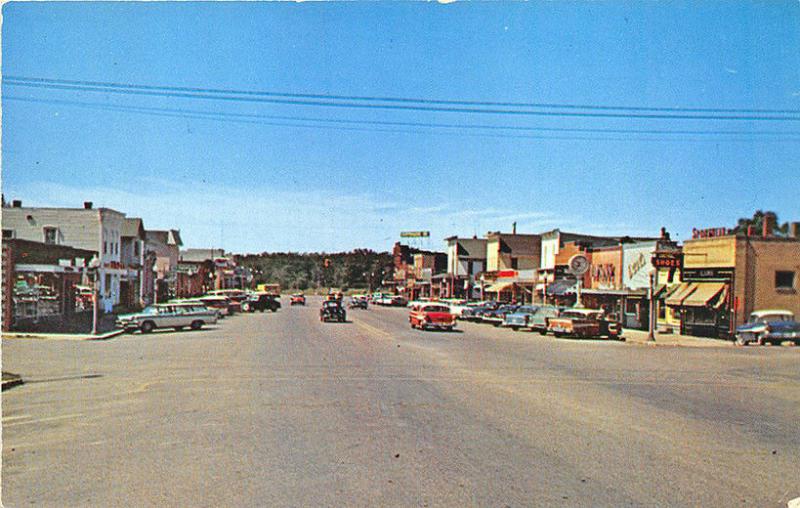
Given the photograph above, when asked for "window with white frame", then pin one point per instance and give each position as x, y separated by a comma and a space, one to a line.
50, 235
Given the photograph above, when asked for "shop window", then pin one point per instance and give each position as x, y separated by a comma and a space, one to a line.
784, 280
50, 236
8, 234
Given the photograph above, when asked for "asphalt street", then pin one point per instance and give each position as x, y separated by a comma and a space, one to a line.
282, 410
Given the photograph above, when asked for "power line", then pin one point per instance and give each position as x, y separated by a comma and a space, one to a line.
243, 118
167, 92
391, 99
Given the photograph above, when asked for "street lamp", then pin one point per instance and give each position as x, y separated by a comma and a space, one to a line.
94, 264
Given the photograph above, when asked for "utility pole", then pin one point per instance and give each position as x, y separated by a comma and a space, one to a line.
651, 325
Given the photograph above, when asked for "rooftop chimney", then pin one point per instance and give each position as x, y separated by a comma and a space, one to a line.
87, 205
768, 224
17, 203
514, 228
794, 230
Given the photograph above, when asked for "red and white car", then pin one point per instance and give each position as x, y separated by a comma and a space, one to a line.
431, 316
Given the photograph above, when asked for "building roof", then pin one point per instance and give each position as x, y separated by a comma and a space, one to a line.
200, 255
168, 237
133, 227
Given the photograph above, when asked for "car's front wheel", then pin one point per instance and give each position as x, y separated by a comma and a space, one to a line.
148, 326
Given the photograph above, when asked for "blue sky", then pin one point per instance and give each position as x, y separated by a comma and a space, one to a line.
254, 184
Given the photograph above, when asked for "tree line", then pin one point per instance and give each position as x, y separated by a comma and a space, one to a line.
356, 269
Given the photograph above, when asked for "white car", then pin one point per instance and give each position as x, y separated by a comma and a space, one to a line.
168, 315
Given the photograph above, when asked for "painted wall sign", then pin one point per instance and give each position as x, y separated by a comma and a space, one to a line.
636, 264
415, 234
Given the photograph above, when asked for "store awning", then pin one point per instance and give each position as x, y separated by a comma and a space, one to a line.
562, 287
683, 291
499, 287
705, 292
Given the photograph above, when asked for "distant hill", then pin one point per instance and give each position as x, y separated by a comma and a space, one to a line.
302, 271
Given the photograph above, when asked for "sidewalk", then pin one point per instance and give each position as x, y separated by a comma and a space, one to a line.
673, 339
62, 336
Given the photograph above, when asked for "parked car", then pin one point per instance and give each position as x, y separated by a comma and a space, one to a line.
221, 304
382, 299
431, 316
457, 307
260, 302
541, 318
769, 327
297, 299
332, 310
475, 312
584, 323
167, 315
358, 302
496, 317
519, 318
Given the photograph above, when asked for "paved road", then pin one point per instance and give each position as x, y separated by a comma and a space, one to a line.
281, 410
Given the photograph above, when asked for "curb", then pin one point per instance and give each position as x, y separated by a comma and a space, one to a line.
62, 336
11, 380
106, 336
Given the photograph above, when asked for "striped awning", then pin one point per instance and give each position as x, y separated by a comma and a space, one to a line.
684, 290
705, 293
499, 287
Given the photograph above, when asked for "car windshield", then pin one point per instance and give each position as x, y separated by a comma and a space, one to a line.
150, 311
766, 318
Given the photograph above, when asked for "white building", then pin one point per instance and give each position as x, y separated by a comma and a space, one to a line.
97, 229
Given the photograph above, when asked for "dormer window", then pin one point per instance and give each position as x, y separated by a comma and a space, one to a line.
50, 235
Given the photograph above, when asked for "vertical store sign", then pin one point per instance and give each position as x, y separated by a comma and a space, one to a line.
636, 265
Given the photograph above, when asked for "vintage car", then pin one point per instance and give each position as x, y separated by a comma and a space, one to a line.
584, 323
475, 312
297, 299
541, 318
457, 307
496, 316
221, 304
431, 316
261, 301
358, 302
332, 310
168, 315
520, 318
769, 327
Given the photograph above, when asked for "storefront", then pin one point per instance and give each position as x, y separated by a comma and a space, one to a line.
43, 283
703, 302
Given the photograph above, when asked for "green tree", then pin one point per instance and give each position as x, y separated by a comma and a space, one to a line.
757, 222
